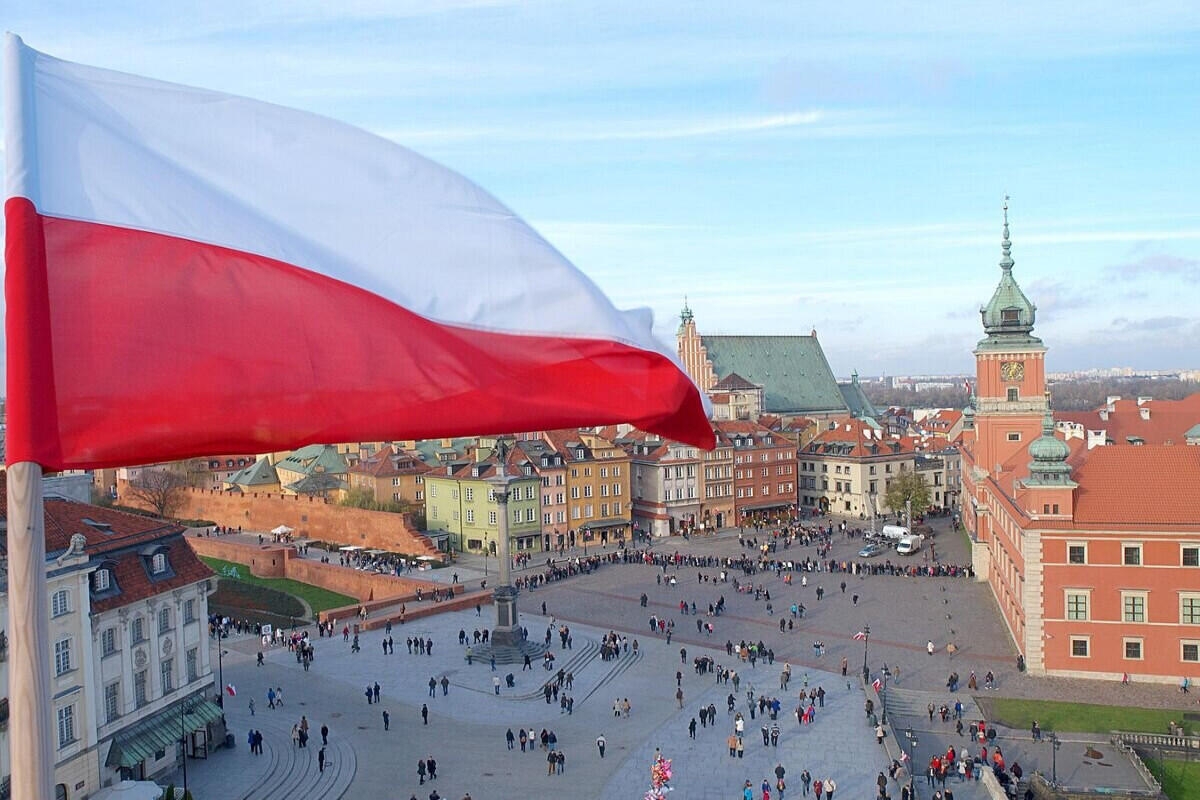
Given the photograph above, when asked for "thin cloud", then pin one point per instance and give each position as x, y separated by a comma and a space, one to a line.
1157, 265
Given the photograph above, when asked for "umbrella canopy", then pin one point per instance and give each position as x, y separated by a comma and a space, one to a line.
130, 790
282, 529
426, 558
350, 548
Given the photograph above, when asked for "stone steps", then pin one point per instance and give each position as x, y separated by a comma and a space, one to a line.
914, 703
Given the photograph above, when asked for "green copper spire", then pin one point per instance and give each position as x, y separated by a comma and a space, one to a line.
685, 316
1008, 317
1049, 453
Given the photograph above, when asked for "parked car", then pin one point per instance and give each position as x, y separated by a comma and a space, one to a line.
908, 545
872, 550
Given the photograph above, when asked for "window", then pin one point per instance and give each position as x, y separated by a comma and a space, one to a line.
491, 518
604, 472
112, 701
137, 632
108, 641
469, 494
164, 620
1014, 436
60, 603
1077, 606
193, 664
1076, 553
66, 725
101, 580
167, 671
471, 515
546, 520
587, 491
1132, 555
1080, 646
587, 511
1133, 649
529, 495
189, 611
616, 490
433, 512
1133, 606
616, 472
574, 492
1012, 394
433, 490
62, 656
139, 688
871, 469
158, 564
1189, 609
1190, 651
531, 514
616, 509
1190, 555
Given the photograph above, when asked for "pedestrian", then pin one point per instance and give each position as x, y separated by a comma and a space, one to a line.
551, 762
829, 787
321, 760
818, 788
692, 728
252, 706
324, 735
445, 687
679, 696
521, 737
432, 687
805, 779
424, 714
496, 683
845, 664
929, 647
431, 765
387, 720
601, 743
509, 738
421, 770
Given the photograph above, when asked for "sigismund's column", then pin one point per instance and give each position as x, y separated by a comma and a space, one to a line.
507, 632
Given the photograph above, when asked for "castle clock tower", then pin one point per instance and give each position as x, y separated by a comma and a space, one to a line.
1010, 373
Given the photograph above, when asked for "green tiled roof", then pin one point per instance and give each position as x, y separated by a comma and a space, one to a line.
792, 370
260, 473
857, 400
315, 458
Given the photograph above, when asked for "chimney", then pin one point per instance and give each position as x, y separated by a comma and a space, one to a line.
1111, 400
1143, 410
1104, 414
1143, 399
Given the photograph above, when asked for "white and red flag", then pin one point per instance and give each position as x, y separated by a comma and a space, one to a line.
231, 689
858, 637
876, 685
190, 273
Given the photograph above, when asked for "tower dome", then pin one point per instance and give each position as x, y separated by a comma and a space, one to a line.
1049, 453
1009, 316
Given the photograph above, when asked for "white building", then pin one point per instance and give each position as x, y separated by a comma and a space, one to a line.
128, 651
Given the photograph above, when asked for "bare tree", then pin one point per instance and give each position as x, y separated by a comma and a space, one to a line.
160, 489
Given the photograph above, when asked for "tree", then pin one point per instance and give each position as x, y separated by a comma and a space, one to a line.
160, 489
907, 487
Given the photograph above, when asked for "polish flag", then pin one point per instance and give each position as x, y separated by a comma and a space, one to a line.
876, 685
967, 386
231, 689
192, 273
858, 637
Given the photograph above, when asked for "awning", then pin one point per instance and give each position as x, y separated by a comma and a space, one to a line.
161, 731
597, 524
765, 506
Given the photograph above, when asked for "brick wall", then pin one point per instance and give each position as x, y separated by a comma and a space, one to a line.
278, 561
314, 518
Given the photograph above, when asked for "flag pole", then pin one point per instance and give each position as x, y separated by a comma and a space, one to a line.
31, 747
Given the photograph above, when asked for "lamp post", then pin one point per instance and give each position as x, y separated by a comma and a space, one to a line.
886, 674
1054, 745
183, 708
220, 667
912, 761
866, 641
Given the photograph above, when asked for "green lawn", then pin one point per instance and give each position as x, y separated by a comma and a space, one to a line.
320, 599
1182, 781
1078, 717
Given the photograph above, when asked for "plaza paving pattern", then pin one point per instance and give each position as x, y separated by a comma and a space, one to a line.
466, 727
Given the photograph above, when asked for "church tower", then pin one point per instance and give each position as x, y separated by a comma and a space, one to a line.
1010, 374
692, 352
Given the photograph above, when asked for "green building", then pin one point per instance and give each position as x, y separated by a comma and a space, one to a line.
459, 501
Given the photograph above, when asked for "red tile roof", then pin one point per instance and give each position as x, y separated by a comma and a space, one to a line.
390, 462
1169, 420
120, 538
1148, 485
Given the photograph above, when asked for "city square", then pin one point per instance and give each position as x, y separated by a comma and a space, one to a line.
466, 726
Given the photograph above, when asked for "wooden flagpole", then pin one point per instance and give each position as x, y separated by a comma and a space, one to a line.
30, 743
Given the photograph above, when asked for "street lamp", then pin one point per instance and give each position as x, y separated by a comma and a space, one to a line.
220, 668
1054, 745
866, 642
912, 761
886, 674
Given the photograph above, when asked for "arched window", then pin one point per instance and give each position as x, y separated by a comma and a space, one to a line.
158, 563
60, 792
60, 603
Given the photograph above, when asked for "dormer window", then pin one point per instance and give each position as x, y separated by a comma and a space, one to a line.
158, 563
579, 453
101, 580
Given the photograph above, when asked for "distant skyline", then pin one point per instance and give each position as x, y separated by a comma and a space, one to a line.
784, 166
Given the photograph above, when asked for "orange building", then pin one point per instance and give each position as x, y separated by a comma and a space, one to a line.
1092, 553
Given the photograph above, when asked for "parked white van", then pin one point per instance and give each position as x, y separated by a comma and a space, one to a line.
895, 532
908, 545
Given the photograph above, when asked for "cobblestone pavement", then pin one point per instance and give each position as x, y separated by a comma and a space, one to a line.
466, 727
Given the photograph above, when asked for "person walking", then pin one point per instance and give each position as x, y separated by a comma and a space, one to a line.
692, 728
421, 770
321, 760
324, 735
431, 765
829, 787
601, 743
679, 696
387, 720
509, 738
424, 714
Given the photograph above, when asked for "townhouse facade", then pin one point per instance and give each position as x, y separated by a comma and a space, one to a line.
599, 505
667, 485
764, 470
129, 650
461, 502
390, 475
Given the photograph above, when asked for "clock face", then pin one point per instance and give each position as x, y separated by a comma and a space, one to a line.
1012, 370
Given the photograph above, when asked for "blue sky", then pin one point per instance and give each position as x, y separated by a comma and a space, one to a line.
785, 165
